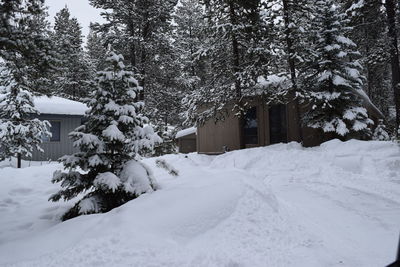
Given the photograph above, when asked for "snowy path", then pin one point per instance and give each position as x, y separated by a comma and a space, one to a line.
337, 205
344, 226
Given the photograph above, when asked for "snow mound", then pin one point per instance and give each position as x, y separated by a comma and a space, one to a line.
137, 178
282, 205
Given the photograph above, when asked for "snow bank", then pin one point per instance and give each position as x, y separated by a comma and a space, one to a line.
59, 105
282, 205
186, 132
137, 178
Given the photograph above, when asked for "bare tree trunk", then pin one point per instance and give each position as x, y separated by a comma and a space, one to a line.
394, 54
292, 67
19, 165
143, 61
235, 53
236, 69
132, 49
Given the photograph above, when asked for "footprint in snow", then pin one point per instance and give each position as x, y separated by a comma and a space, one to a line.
25, 226
20, 191
8, 202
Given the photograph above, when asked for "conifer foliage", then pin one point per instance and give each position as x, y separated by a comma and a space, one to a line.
73, 72
335, 78
19, 132
109, 143
380, 132
27, 57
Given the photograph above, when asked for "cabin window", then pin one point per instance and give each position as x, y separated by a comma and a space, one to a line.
55, 129
251, 127
278, 124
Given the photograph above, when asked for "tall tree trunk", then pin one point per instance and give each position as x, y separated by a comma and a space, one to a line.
143, 59
19, 157
132, 51
236, 70
292, 66
235, 50
394, 54
289, 43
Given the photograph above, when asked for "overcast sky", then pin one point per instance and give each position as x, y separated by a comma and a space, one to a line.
79, 9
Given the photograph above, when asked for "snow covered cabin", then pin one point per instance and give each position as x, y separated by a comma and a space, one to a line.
265, 125
186, 140
64, 116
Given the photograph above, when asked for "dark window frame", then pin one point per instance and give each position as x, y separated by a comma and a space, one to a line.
251, 134
52, 138
278, 124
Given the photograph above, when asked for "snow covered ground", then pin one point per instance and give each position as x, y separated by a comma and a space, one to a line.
283, 205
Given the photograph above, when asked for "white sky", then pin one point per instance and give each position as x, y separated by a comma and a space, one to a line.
79, 9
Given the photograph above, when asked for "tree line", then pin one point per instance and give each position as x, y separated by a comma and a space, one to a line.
193, 53
207, 53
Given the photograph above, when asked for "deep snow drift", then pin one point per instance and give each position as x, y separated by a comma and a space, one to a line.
283, 205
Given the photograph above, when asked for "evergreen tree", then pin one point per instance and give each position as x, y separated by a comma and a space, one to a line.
290, 20
96, 50
236, 50
369, 32
142, 31
290, 23
25, 45
27, 52
391, 10
168, 146
73, 68
19, 32
137, 28
189, 25
380, 133
20, 133
335, 78
109, 142
164, 93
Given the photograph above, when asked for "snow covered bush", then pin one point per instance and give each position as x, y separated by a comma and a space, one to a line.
168, 146
20, 133
335, 77
380, 133
107, 169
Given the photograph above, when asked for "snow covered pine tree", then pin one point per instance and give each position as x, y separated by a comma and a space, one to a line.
109, 142
335, 78
380, 133
27, 56
19, 132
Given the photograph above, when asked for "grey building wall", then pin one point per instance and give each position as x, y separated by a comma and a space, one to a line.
54, 150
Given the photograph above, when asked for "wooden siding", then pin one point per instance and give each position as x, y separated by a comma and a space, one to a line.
212, 137
54, 150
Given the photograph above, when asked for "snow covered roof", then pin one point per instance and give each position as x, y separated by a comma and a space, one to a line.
58, 105
186, 132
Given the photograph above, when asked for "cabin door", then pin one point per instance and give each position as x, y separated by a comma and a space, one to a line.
250, 128
278, 124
